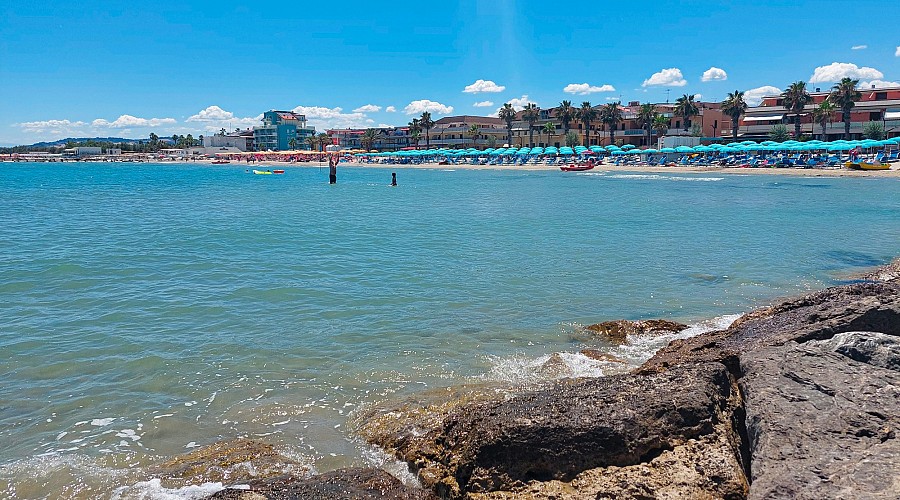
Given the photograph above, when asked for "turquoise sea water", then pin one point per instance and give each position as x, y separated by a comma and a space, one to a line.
149, 309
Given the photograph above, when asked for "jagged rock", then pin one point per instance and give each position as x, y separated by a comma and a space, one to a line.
555, 367
566, 429
601, 356
229, 462
818, 316
888, 272
822, 420
355, 484
619, 330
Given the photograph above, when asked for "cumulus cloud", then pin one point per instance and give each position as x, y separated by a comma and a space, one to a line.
390, 109
714, 74
670, 77
585, 89
754, 96
368, 108
419, 107
897, 52
877, 84
483, 104
51, 126
215, 118
697, 97
834, 72
859, 47
323, 118
483, 86
127, 121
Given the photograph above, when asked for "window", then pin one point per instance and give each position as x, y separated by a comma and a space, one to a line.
875, 116
881, 96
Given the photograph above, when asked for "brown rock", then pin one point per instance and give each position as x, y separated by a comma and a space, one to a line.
601, 356
619, 330
555, 367
354, 483
229, 462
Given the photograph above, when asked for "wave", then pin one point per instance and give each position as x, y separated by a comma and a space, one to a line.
665, 177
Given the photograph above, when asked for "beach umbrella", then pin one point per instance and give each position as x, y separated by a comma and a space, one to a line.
612, 147
626, 147
649, 151
667, 150
684, 149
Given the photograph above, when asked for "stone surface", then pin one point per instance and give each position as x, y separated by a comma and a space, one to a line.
822, 421
564, 430
618, 331
601, 356
354, 483
229, 462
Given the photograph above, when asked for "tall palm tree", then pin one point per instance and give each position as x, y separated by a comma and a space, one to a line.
508, 114
313, 142
611, 115
324, 140
565, 113
549, 129
531, 115
473, 131
368, 139
586, 114
686, 108
645, 116
795, 99
844, 95
426, 123
415, 131
822, 115
734, 106
660, 125
292, 143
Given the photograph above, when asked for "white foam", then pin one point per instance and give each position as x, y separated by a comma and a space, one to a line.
154, 490
99, 422
665, 177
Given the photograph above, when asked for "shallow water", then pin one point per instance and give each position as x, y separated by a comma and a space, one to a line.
149, 309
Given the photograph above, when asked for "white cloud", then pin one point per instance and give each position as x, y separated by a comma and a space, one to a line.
211, 113
754, 96
216, 118
517, 104
323, 118
670, 77
368, 108
878, 84
714, 74
126, 121
419, 107
483, 86
834, 72
585, 89
697, 97
859, 47
390, 109
483, 104
897, 52
51, 126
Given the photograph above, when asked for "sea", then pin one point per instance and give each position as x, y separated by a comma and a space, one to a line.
147, 310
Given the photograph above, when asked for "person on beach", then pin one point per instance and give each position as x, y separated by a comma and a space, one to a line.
332, 169
394, 179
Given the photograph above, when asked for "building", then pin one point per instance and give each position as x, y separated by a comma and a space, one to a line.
454, 132
241, 140
281, 130
83, 151
881, 105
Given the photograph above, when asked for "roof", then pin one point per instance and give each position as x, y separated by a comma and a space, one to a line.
469, 119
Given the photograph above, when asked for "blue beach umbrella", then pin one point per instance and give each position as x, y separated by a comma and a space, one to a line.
627, 147
667, 150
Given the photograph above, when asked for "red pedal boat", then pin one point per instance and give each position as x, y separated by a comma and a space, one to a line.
576, 168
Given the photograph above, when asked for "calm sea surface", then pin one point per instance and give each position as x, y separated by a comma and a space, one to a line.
149, 309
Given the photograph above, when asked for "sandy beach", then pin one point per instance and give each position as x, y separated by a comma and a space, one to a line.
894, 172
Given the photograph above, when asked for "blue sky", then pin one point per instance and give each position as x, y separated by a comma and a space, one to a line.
125, 69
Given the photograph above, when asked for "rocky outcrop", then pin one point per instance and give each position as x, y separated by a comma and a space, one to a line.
349, 484
598, 355
573, 427
797, 400
229, 462
619, 331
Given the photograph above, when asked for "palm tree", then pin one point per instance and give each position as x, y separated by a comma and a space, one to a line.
565, 113
611, 115
530, 115
645, 116
549, 129
368, 139
324, 140
844, 95
661, 125
779, 133
586, 114
473, 131
685, 107
415, 131
795, 99
313, 142
426, 123
292, 143
822, 115
508, 114
734, 106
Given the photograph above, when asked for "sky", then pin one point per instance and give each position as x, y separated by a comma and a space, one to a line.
126, 69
